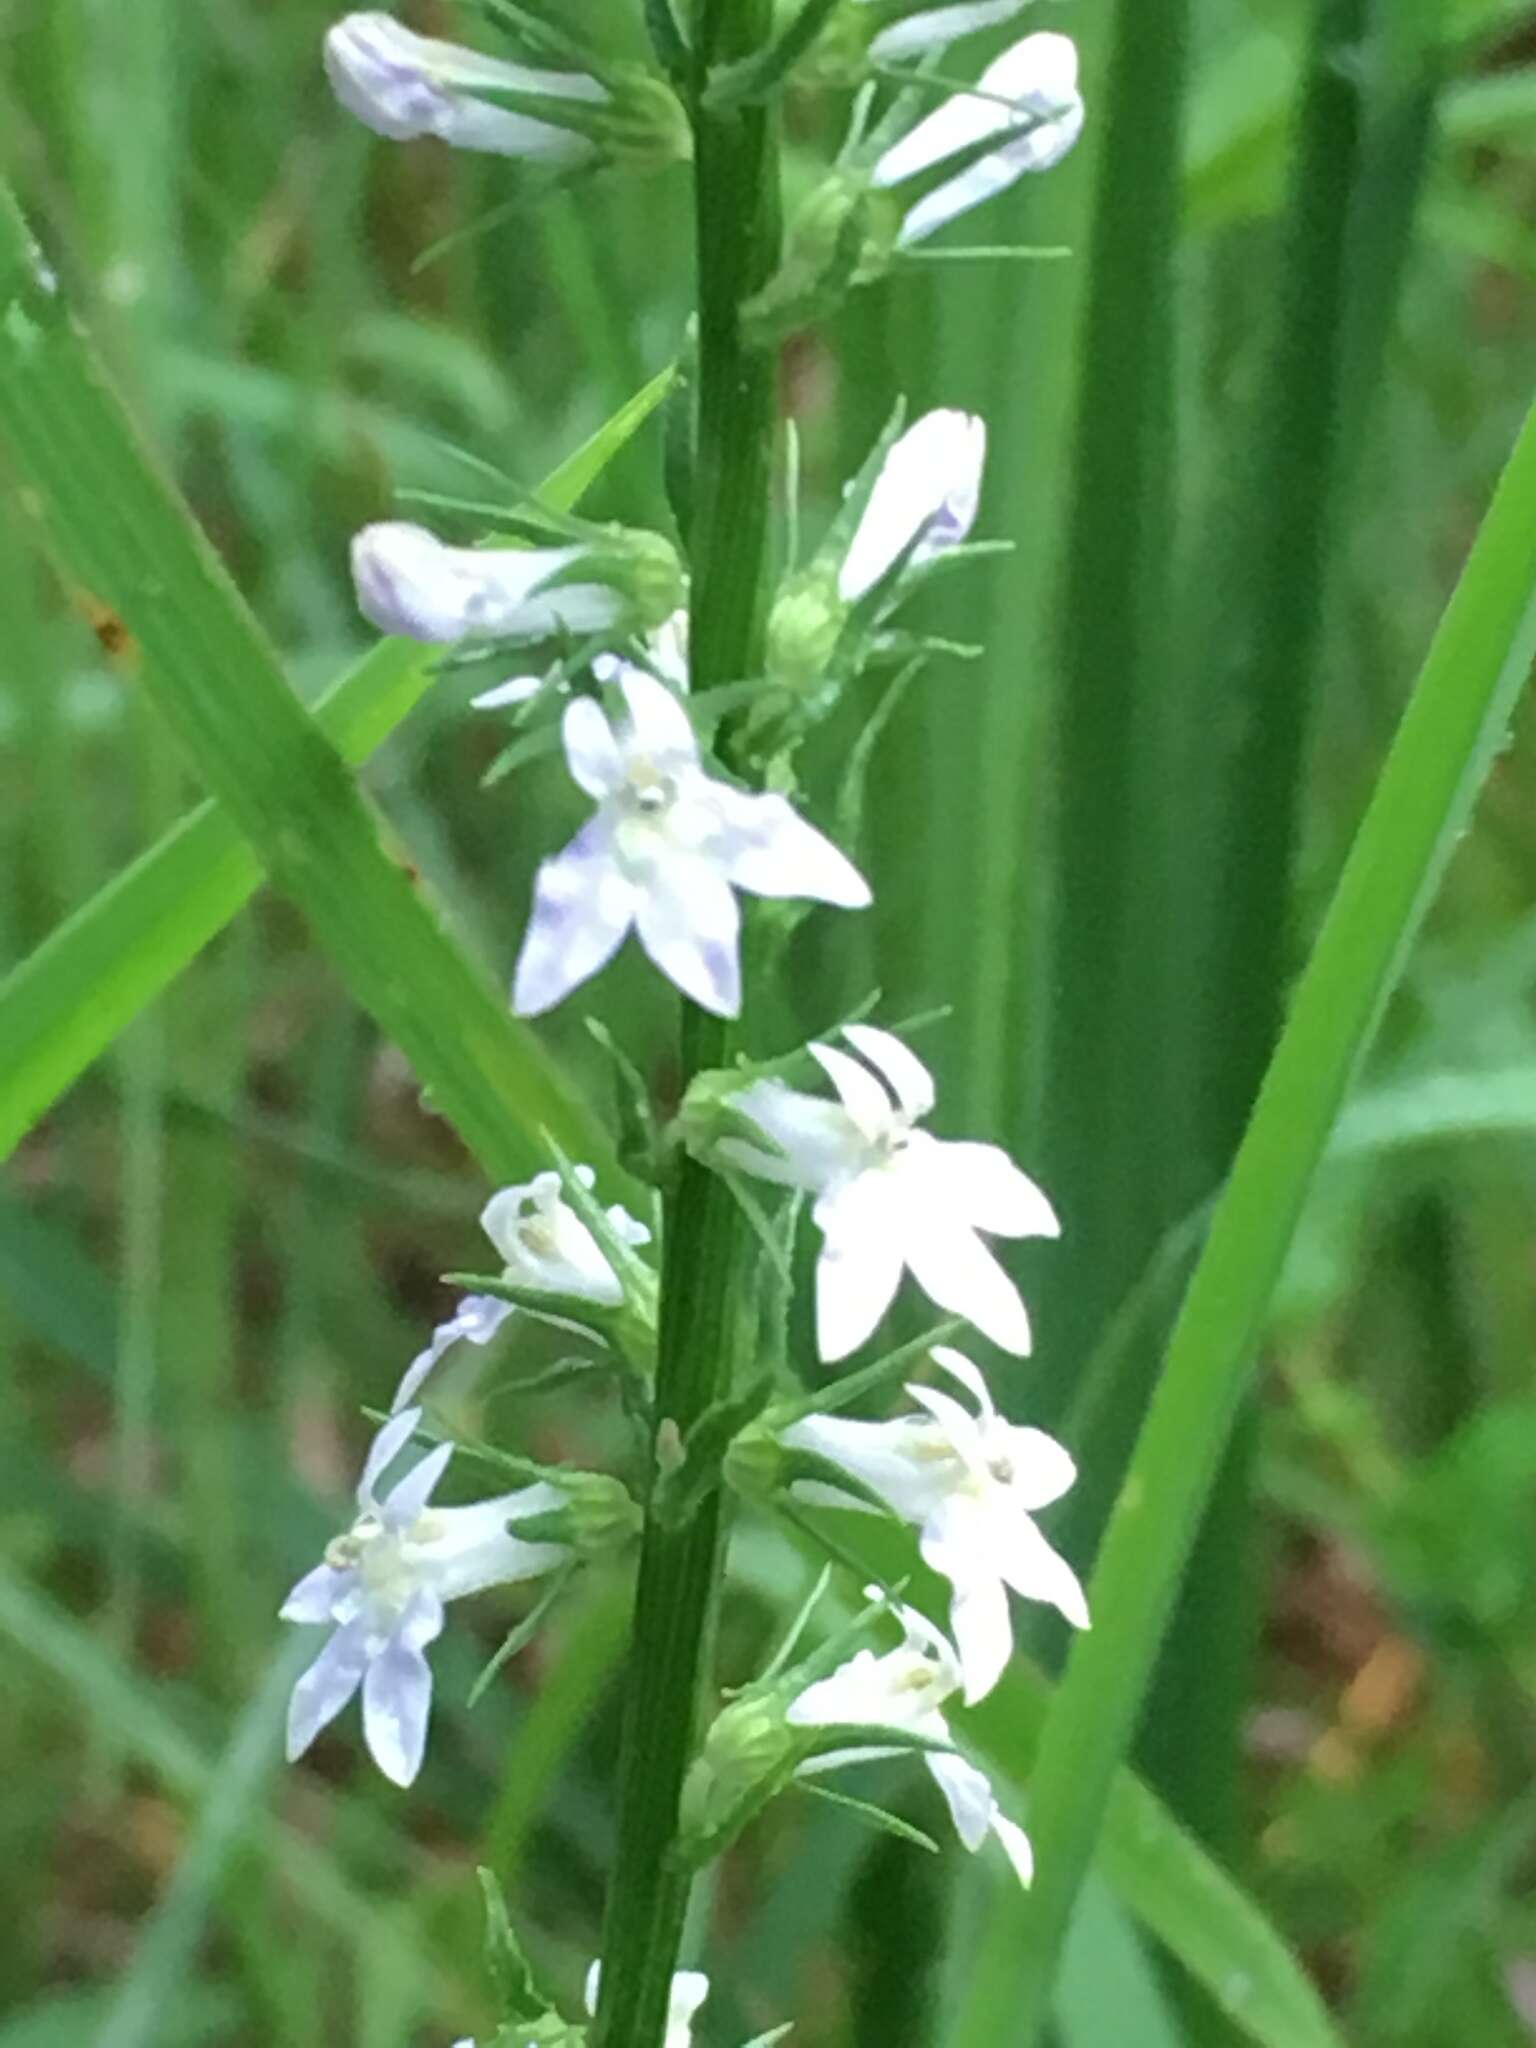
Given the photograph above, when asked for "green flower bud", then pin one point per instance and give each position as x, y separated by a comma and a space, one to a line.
754, 1465
804, 628
597, 1517
645, 127
743, 1759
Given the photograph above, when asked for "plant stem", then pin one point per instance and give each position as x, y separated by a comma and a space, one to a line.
704, 1314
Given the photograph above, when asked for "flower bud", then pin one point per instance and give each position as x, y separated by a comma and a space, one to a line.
746, 1751
804, 628
755, 1464
644, 125
598, 1516
823, 255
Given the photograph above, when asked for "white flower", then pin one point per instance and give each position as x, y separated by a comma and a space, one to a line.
384, 1585
904, 1690
543, 1243
690, 1988
662, 855
924, 499
935, 28
1038, 78
409, 582
889, 1195
403, 85
971, 1484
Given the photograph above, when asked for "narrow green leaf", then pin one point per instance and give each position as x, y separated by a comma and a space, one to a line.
1454, 724
117, 526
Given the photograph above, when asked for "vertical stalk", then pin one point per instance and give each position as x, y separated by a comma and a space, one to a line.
704, 1314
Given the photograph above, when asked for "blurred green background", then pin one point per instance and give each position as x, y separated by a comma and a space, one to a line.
1241, 440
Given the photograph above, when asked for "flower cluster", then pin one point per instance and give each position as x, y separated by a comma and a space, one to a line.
696, 802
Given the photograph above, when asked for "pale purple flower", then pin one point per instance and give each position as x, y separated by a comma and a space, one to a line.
411, 583
1042, 119
662, 856
972, 1485
383, 1587
904, 1690
543, 1244
924, 499
890, 1196
402, 85
935, 28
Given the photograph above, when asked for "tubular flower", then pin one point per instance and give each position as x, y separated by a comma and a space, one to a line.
543, 1244
402, 85
690, 1988
890, 1196
972, 1485
384, 1585
663, 854
904, 1690
924, 499
1032, 105
409, 582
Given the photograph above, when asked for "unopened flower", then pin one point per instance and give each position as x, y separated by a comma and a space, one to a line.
972, 1485
384, 1585
924, 499
543, 1244
403, 85
411, 583
663, 854
690, 1988
1027, 98
890, 1196
904, 1690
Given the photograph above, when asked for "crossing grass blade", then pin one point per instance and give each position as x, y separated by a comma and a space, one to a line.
284, 802
1450, 732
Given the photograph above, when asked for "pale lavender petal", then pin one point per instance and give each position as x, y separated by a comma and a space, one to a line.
316, 1594
910, 1081
591, 752
689, 924
1038, 150
325, 1688
475, 1321
397, 1701
407, 1498
659, 724
923, 501
582, 908
386, 1447
770, 849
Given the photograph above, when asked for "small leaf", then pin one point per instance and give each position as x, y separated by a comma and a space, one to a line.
519, 1637
873, 1816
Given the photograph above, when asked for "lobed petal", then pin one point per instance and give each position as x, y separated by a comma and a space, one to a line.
898, 1066
859, 1269
659, 726
326, 1686
408, 1497
982, 1184
967, 1794
957, 1272
689, 924
591, 751
316, 1594
397, 1704
769, 849
866, 1101
583, 907
382, 1453
935, 28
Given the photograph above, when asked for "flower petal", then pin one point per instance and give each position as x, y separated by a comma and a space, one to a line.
953, 1544
935, 28
1016, 1847
583, 907
769, 848
1043, 1470
895, 1459
1029, 1564
970, 1376
591, 751
382, 1453
924, 499
967, 1794
397, 1703
476, 1320
859, 1092
659, 725
515, 690
982, 1184
689, 924
909, 1080
818, 1140
408, 1497
859, 1269
313, 1598
326, 1686
956, 1271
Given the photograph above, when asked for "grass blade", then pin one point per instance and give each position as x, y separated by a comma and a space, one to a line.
119, 529
1454, 723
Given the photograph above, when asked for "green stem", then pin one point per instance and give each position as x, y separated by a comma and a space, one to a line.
704, 1321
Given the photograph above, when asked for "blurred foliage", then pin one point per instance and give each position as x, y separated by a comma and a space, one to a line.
226, 1238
